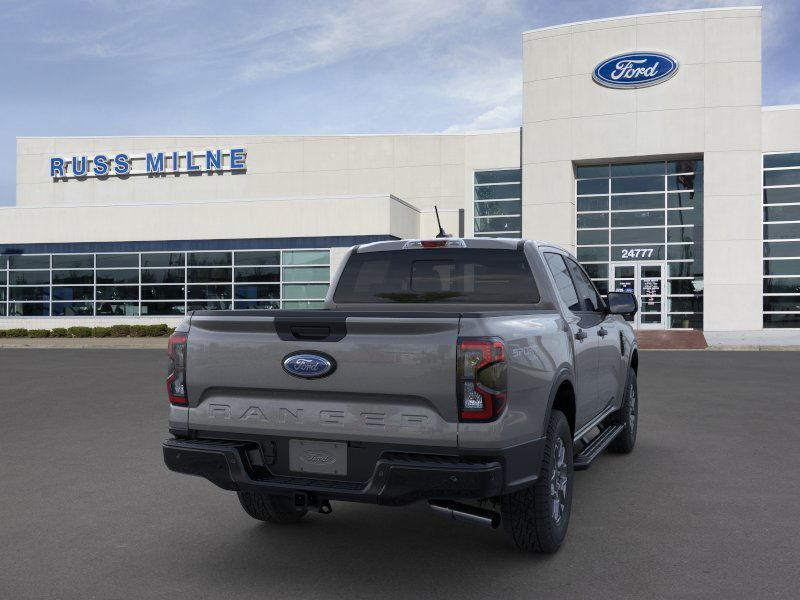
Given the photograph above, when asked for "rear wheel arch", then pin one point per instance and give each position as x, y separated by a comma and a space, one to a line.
635, 361
562, 398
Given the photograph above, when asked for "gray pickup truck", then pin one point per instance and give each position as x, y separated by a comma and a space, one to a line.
474, 374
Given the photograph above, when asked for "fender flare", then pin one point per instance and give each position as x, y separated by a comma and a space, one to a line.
634, 351
563, 373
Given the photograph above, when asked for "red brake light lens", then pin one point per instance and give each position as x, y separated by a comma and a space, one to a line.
481, 381
176, 372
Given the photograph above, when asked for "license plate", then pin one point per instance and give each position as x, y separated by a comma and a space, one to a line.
309, 456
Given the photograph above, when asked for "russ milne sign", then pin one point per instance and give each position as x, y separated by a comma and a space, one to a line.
151, 163
635, 70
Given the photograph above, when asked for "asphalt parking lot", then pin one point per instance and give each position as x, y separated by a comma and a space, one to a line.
708, 506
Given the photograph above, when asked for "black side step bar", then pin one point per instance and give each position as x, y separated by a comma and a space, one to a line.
583, 460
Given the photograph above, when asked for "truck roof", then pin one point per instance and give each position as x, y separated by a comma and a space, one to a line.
482, 242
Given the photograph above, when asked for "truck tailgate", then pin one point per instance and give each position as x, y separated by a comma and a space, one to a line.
394, 380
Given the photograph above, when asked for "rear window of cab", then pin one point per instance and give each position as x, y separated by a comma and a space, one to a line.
438, 275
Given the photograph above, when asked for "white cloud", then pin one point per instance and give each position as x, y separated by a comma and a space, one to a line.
338, 32
497, 117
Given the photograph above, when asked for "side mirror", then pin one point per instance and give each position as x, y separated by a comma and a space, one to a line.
622, 303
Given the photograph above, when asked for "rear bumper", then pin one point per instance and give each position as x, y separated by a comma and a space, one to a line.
398, 478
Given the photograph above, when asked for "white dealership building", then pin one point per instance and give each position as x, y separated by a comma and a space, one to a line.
644, 148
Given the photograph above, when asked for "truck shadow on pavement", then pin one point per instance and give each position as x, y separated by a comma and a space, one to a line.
364, 551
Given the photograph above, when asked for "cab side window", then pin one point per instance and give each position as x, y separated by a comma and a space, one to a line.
564, 285
589, 298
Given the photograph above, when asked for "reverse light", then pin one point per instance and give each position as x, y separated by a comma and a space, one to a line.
176, 372
481, 371
438, 243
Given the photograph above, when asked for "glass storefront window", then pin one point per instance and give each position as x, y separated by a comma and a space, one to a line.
787, 195
593, 220
637, 202
498, 208
645, 212
29, 293
498, 226
499, 176
636, 184
208, 275
208, 292
209, 305
117, 309
590, 203
593, 236
163, 276
28, 309
591, 171
257, 258
73, 309
117, 276
209, 259
73, 261
498, 203
117, 292
163, 259
84, 292
257, 274
303, 304
115, 261
258, 305
163, 292
29, 277
162, 309
306, 274
108, 284
72, 277
41, 261
253, 292
308, 291
306, 257
781, 248
593, 186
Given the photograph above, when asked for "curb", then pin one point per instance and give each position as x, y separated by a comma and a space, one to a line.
754, 347
729, 348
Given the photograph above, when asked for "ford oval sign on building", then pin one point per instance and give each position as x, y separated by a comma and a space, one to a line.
635, 70
309, 365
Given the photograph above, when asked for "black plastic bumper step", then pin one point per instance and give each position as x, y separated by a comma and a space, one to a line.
595, 448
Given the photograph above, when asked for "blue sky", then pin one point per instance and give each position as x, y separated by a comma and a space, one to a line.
151, 67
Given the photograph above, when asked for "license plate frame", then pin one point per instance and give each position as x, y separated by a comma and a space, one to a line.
317, 457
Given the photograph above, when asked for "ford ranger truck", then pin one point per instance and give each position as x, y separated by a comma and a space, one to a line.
473, 374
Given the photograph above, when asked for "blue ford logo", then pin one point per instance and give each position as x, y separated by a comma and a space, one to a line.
635, 70
308, 365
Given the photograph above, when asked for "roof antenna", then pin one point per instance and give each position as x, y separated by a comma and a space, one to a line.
441, 233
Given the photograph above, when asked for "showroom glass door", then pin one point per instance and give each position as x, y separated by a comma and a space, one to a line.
646, 281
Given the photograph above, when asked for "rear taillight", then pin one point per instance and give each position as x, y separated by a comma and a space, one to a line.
481, 369
176, 373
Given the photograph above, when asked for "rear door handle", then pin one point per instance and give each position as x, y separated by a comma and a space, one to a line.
581, 335
602, 332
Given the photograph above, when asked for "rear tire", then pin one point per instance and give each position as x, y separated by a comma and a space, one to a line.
537, 517
628, 416
270, 507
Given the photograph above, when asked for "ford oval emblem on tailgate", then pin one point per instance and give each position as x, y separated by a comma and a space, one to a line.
309, 365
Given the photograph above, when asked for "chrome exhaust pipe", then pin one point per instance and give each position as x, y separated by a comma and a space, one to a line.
465, 513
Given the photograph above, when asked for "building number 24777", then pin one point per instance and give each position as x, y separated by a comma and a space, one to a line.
637, 252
